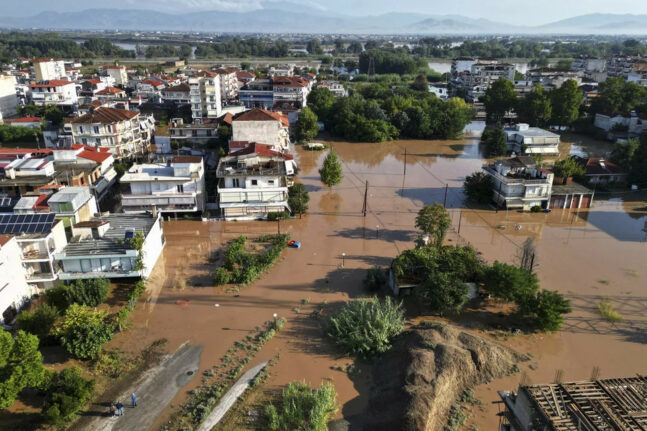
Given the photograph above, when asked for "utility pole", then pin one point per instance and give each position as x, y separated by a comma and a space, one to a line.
445, 200
460, 218
365, 198
405, 161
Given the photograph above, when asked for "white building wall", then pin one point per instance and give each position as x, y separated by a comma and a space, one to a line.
153, 246
14, 290
263, 132
8, 97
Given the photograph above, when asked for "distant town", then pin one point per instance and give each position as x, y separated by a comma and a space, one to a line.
291, 231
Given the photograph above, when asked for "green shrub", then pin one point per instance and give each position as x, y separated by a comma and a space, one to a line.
57, 296
375, 279
21, 365
443, 293
606, 310
301, 407
365, 327
91, 292
66, 394
122, 319
220, 276
278, 215
242, 267
39, 322
535, 209
83, 331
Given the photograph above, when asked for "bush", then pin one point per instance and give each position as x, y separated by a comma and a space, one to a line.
568, 168
83, 331
509, 282
242, 267
478, 187
443, 292
57, 296
494, 141
274, 216
39, 322
91, 292
220, 276
122, 319
21, 365
366, 327
66, 394
545, 309
302, 408
535, 209
375, 279
298, 198
606, 310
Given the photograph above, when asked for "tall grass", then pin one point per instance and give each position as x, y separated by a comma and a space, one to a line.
606, 310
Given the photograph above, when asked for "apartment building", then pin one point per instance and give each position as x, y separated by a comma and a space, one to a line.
262, 126
198, 132
518, 183
290, 92
102, 248
124, 132
551, 78
172, 187
118, 73
48, 69
620, 66
638, 74
253, 182
178, 93
8, 96
258, 93
205, 95
228, 84
14, 290
54, 92
95, 164
475, 75
335, 87
523, 139
73, 205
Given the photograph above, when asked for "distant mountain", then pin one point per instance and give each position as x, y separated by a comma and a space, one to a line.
285, 17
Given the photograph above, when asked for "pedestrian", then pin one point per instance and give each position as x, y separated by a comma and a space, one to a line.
133, 398
112, 409
120, 408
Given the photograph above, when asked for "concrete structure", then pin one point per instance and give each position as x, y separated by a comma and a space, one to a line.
257, 94
262, 126
97, 165
118, 73
48, 69
278, 92
620, 66
571, 195
54, 92
253, 182
29, 122
14, 290
608, 404
551, 78
205, 95
177, 93
73, 205
518, 183
638, 74
228, 84
440, 90
172, 187
335, 87
8, 97
619, 125
475, 75
102, 247
199, 132
124, 132
523, 139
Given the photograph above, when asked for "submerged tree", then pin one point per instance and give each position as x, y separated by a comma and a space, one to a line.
331, 172
434, 221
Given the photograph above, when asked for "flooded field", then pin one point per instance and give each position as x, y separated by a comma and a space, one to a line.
588, 255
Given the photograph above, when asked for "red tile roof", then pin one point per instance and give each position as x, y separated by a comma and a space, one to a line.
228, 118
110, 90
95, 156
93, 81
45, 59
152, 82
258, 114
25, 120
180, 88
261, 150
187, 159
23, 151
245, 74
5, 239
599, 166
52, 83
105, 115
290, 81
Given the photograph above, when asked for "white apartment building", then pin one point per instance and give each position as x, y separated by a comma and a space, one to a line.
124, 132
48, 69
228, 84
177, 93
8, 96
14, 290
518, 183
523, 139
335, 87
638, 74
118, 73
262, 126
551, 78
54, 92
253, 182
290, 92
172, 187
475, 75
205, 95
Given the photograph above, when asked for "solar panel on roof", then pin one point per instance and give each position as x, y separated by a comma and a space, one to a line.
20, 219
31, 228
12, 219
26, 223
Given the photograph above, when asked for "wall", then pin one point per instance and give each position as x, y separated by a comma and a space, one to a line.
14, 290
263, 132
153, 246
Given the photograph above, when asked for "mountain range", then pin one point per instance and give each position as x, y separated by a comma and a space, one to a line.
281, 17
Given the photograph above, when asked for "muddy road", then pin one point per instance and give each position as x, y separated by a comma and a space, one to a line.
587, 255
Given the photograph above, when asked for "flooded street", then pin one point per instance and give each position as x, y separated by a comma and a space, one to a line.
588, 255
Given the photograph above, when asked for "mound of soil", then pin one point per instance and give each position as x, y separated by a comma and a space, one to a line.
426, 371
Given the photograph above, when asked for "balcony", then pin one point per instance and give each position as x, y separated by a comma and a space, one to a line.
35, 255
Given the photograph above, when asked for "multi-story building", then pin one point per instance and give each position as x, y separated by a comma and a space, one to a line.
518, 183
124, 132
102, 247
278, 92
228, 84
205, 95
178, 93
258, 93
39, 237
551, 78
172, 187
199, 132
15, 291
73, 205
95, 164
638, 73
335, 87
282, 70
253, 182
593, 68
118, 73
262, 126
110, 93
48, 69
620, 66
8, 96
523, 139
474, 76
54, 92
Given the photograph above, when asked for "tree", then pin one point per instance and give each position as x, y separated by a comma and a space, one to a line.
67, 393
224, 133
434, 221
366, 327
53, 114
83, 331
457, 114
546, 309
568, 168
314, 47
321, 100
420, 83
298, 199
443, 292
302, 408
638, 173
331, 172
355, 47
535, 108
91, 292
494, 141
306, 127
21, 365
478, 187
566, 101
623, 152
509, 282
499, 99
39, 322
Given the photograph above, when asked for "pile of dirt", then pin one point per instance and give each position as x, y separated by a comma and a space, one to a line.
426, 371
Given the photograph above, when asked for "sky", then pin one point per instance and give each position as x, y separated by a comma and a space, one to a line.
529, 13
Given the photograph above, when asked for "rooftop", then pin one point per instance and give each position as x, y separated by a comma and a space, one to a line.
258, 114
52, 83
105, 115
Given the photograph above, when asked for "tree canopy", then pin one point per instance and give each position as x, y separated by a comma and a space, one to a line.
434, 221
499, 99
83, 331
478, 187
305, 128
301, 407
21, 365
494, 141
331, 172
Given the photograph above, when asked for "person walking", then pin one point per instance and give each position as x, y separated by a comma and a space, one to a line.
112, 410
133, 398
120, 408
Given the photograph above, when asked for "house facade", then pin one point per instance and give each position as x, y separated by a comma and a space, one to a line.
228, 84
8, 96
48, 69
199, 132
205, 95
177, 93
54, 92
523, 139
518, 183
475, 75
172, 187
253, 182
118, 73
600, 171
262, 126
14, 290
73, 205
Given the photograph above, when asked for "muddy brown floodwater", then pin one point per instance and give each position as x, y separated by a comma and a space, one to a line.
587, 255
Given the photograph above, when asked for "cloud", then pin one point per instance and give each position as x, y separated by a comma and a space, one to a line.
223, 5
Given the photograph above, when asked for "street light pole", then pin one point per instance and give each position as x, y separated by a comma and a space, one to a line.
377, 231
343, 256
275, 316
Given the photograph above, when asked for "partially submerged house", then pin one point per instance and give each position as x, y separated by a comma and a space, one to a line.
262, 126
519, 183
600, 171
523, 139
104, 247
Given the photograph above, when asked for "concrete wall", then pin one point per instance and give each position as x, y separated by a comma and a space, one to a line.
153, 246
263, 132
14, 290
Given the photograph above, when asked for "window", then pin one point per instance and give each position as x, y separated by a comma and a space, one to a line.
84, 141
270, 182
96, 129
254, 182
235, 182
180, 188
